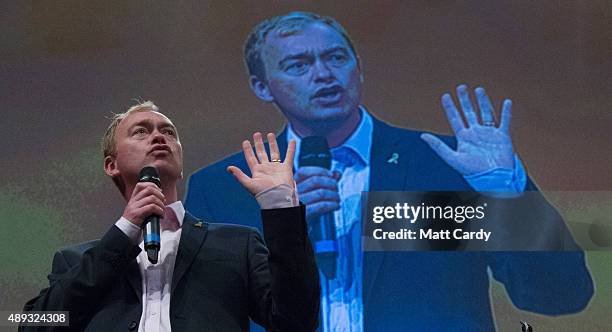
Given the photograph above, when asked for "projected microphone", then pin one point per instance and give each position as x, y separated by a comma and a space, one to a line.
314, 151
151, 224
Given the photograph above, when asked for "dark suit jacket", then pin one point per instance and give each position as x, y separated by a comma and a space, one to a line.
223, 275
428, 290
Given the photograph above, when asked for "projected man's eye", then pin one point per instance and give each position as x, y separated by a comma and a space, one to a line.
297, 68
338, 59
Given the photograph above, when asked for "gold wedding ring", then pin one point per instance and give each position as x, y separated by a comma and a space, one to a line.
276, 160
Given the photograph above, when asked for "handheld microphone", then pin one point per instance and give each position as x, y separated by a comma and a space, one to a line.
314, 151
152, 240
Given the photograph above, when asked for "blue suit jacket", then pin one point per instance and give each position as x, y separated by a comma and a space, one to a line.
405, 291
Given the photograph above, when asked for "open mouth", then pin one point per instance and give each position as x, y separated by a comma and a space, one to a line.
328, 95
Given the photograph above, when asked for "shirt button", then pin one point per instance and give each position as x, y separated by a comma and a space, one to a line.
132, 326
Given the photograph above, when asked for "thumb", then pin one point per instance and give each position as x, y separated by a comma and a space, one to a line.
439, 147
242, 178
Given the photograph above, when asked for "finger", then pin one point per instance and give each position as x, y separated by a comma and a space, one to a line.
249, 156
454, 119
150, 209
290, 155
145, 189
305, 172
239, 175
147, 201
506, 115
140, 186
317, 182
274, 152
321, 195
439, 147
466, 105
260, 148
321, 208
487, 115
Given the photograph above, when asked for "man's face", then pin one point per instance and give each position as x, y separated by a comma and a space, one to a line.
312, 75
147, 139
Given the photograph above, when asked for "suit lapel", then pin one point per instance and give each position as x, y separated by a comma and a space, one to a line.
389, 169
389, 161
135, 279
192, 236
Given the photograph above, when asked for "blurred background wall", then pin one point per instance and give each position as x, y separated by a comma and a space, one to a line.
66, 65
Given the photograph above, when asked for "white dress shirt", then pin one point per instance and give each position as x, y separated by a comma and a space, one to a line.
156, 278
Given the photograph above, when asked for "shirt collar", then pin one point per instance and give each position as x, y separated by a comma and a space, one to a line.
179, 210
359, 141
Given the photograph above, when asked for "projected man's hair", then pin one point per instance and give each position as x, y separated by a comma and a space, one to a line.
285, 25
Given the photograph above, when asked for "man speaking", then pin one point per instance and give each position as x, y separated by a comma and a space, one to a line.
308, 67
205, 277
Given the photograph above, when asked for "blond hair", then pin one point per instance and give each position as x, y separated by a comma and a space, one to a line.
109, 144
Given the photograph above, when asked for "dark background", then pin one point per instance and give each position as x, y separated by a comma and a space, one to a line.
65, 65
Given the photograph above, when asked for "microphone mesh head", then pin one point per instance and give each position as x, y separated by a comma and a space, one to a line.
314, 151
149, 174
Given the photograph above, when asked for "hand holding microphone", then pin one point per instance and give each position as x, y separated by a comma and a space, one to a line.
144, 209
317, 185
318, 189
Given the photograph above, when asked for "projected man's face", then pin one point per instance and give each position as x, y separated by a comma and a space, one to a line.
312, 75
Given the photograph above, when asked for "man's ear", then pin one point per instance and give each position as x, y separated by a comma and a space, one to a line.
261, 89
110, 167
